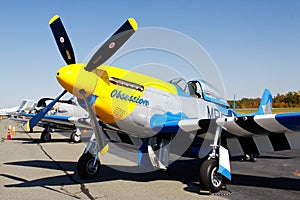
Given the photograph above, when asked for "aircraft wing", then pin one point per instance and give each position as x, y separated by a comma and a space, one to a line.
245, 134
79, 122
62, 120
262, 133
263, 124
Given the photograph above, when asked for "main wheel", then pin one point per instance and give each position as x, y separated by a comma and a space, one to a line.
86, 168
209, 177
45, 136
75, 138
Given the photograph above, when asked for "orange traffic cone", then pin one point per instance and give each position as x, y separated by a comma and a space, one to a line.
8, 136
13, 130
9, 128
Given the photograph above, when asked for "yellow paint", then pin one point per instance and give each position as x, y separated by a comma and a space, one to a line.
110, 110
104, 150
133, 23
53, 19
27, 127
74, 77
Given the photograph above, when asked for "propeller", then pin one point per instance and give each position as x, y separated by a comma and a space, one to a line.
112, 44
97, 128
80, 79
62, 40
65, 47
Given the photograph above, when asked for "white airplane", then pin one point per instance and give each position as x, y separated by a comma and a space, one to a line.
15, 110
61, 117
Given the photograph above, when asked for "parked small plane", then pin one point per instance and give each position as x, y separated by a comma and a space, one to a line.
157, 111
15, 110
60, 117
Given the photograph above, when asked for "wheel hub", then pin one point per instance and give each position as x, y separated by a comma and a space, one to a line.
91, 168
216, 178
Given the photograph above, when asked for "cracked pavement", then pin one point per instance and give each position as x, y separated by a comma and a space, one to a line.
33, 170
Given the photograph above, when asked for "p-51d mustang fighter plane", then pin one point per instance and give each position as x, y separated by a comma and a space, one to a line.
158, 111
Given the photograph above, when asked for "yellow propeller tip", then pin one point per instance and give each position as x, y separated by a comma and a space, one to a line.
104, 150
27, 126
133, 23
55, 17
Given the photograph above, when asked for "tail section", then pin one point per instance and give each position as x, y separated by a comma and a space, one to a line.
23, 105
265, 106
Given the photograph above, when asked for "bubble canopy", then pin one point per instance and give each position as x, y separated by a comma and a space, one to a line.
199, 89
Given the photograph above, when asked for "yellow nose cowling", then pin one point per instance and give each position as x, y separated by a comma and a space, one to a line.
74, 78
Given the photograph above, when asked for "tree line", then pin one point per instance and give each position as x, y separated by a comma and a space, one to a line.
290, 99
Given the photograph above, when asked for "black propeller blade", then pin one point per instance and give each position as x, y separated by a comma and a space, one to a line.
62, 40
112, 44
65, 47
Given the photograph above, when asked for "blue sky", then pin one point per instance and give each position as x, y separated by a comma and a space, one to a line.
255, 44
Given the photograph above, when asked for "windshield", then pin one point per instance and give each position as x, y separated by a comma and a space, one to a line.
181, 84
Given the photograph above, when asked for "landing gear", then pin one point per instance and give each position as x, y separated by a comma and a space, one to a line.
88, 167
45, 136
209, 177
76, 136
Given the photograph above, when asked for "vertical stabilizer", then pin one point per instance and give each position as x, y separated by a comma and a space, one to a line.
22, 106
265, 106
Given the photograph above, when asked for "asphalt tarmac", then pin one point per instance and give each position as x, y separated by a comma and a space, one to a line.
33, 170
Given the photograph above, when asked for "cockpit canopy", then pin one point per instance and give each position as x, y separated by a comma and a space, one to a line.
198, 89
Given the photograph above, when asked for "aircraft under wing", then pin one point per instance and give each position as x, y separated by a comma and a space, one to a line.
55, 119
261, 133
242, 135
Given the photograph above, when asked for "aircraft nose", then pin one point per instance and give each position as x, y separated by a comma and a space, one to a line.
74, 78
65, 77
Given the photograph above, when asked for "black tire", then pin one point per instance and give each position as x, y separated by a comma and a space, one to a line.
209, 178
75, 138
45, 136
85, 169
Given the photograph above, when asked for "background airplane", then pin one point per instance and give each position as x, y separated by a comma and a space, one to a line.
15, 110
62, 116
166, 116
